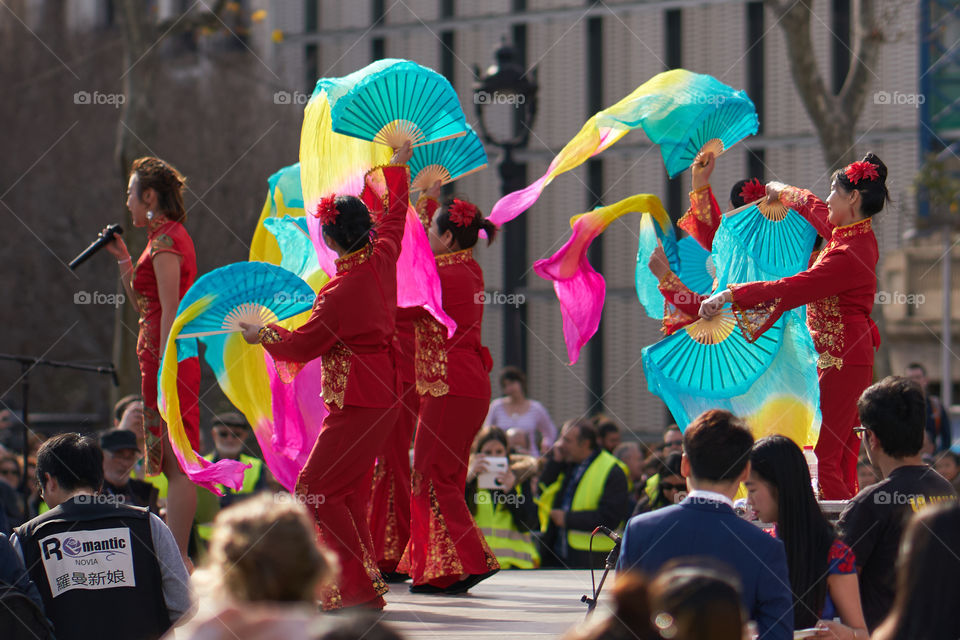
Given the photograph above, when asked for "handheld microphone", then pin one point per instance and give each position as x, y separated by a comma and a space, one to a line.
103, 238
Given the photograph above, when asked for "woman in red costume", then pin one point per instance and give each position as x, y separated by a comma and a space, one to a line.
447, 553
838, 290
163, 273
351, 329
389, 511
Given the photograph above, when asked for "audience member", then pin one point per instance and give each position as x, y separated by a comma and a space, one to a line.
514, 410
664, 488
948, 465
927, 586
13, 575
937, 421
230, 434
608, 433
823, 575
631, 618
120, 454
716, 460
892, 417
10, 470
518, 441
695, 599
130, 545
629, 453
582, 487
672, 441
507, 516
866, 474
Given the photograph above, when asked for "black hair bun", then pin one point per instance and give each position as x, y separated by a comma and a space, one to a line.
873, 159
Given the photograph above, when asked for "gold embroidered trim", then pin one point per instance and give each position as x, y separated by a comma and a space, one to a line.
442, 557
422, 207
162, 243
826, 324
430, 364
753, 318
700, 205
457, 257
353, 260
825, 361
857, 228
268, 335
153, 434
334, 373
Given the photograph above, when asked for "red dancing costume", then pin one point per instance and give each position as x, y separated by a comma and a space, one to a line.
389, 512
839, 291
454, 384
165, 236
351, 329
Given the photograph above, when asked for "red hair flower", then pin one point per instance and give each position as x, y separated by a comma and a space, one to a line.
752, 191
857, 171
462, 213
327, 210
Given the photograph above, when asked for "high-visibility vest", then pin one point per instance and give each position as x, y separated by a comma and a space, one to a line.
514, 549
251, 477
585, 498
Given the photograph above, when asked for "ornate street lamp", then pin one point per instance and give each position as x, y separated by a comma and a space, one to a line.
506, 82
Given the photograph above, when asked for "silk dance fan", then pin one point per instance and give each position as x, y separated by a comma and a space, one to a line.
253, 292
392, 101
447, 160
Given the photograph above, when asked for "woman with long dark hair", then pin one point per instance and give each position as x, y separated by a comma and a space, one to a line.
823, 575
928, 588
155, 284
447, 553
351, 329
838, 290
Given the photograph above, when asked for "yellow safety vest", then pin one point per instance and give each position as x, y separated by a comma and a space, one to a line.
585, 498
514, 549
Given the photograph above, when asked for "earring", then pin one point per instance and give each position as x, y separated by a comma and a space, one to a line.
149, 215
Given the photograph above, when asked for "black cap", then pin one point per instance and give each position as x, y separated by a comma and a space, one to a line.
118, 439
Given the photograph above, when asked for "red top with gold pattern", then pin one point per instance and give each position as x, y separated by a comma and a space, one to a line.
459, 365
352, 324
703, 217
163, 237
838, 289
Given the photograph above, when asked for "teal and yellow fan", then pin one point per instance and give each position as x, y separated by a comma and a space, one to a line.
391, 101
772, 383
654, 230
696, 266
254, 292
762, 241
447, 160
698, 112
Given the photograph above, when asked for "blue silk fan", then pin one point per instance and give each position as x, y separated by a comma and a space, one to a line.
254, 292
391, 101
696, 266
447, 160
778, 241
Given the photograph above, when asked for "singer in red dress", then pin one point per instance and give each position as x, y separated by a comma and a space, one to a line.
351, 329
839, 292
163, 273
447, 553
389, 511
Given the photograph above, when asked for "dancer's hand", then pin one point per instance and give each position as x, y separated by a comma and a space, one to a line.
658, 264
117, 247
773, 191
703, 166
402, 154
434, 190
712, 305
251, 333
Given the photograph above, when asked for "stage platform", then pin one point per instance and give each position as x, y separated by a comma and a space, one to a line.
512, 604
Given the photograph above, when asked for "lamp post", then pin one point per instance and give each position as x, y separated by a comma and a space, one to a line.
506, 82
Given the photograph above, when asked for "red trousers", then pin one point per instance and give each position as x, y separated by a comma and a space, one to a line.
154, 429
839, 447
335, 485
389, 513
445, 542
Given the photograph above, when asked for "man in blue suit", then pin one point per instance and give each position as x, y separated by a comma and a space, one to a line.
716, 459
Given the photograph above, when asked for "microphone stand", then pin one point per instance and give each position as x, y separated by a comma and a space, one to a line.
27, 363
609, 564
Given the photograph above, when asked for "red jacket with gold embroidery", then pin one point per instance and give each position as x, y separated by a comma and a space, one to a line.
459, 365
838, 289
352, 324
